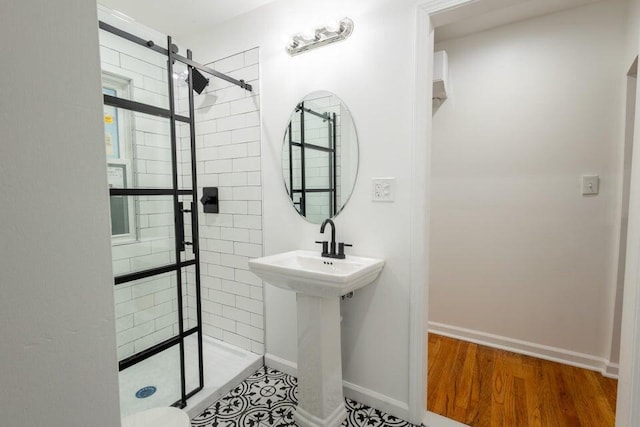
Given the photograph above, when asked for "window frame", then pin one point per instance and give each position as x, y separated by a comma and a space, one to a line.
126, 141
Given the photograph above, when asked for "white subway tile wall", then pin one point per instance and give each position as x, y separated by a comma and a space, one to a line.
228, 156
146, 313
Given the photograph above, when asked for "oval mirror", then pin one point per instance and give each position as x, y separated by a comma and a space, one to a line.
320, 156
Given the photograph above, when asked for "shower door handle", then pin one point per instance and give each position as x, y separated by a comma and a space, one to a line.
194, 212
180, 227
181, 242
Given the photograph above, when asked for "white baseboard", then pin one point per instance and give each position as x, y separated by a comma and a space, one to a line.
611, 370
432, 419
282, 365
376, 400
554, 354
352, 391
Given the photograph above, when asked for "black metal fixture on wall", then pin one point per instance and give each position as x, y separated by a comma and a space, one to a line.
209, 200
200, 82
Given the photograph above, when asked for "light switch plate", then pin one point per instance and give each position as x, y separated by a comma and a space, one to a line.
590, 185
383, 189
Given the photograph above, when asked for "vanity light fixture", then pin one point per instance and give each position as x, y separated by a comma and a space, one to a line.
320, 36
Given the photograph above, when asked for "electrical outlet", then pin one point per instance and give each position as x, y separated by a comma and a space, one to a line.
383, 189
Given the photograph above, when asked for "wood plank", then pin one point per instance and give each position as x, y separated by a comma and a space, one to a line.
520, 402
567, 405
482, 415
552, 412
441, 359
439, 393
591, 402
499, 391
464, 382
509, 402
535, 392
609, 387
451, 386
534, 415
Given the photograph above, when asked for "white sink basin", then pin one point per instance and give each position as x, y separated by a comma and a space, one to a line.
308, 273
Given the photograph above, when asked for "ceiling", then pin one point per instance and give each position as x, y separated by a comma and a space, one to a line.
181, 17
489, 14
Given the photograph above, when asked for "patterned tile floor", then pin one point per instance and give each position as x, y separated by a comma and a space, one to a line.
268, 399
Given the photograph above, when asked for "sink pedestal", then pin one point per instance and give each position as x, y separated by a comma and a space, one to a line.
320, 398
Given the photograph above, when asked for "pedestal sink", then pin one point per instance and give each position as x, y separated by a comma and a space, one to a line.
319, 283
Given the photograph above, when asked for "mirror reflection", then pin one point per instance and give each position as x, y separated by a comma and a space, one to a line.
320, 156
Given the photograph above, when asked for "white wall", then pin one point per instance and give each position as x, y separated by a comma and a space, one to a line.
58, 355
516, 250
374, 63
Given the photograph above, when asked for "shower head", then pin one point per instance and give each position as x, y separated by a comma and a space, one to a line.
199, 81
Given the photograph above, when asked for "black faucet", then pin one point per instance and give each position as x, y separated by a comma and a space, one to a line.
333, 235
330, 251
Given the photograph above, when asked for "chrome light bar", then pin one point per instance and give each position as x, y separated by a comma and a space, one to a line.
320, 36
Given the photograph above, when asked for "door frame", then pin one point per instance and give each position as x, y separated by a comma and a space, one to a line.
429, 15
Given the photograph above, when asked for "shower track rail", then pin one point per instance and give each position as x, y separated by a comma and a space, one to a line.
175, 192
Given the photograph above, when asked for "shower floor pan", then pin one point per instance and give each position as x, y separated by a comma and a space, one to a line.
224, 367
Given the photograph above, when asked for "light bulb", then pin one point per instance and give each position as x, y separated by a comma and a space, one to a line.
333, 26
309, 34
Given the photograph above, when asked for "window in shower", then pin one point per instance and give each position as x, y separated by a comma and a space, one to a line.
119, 142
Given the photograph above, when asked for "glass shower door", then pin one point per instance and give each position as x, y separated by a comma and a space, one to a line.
150, 147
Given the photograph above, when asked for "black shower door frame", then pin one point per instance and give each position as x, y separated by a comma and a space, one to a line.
179, 207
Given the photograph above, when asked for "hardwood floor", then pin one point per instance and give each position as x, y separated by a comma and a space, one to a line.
482, 386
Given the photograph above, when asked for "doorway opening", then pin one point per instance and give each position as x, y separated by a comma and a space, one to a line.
515, 263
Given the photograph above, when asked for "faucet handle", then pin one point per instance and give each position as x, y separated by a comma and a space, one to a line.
325, 247
341, 247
